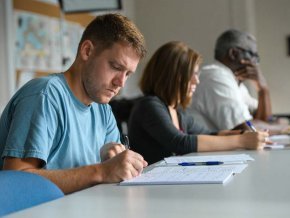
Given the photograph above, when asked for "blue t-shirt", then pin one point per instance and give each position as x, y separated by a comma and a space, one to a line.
45, 120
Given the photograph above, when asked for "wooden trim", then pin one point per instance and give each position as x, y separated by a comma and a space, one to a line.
50, 10
37, 7
82, 19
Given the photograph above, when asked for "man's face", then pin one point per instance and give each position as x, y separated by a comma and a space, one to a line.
105, 73
248, 53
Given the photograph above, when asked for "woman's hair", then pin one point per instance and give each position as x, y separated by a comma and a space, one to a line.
105, 30
168, 73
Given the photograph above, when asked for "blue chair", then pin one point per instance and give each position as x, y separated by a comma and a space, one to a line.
20, 190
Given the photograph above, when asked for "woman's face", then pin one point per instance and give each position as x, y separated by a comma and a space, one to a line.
194, 81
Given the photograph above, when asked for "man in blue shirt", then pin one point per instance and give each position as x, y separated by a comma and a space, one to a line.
61, 126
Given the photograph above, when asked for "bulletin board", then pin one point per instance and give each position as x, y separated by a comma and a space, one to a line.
45, 39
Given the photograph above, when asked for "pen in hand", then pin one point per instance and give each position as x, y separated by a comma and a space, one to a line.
250, 125
126, 141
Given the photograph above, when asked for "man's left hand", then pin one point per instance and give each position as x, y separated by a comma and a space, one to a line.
110, 150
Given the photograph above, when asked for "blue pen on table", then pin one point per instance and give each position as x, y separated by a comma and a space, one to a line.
250, 125
200, 163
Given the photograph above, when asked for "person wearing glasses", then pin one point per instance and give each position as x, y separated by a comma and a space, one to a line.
222, 101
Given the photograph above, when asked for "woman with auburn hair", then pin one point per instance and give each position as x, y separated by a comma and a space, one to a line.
159, 126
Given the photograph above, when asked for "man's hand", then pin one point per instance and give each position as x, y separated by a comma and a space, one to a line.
110, 150
126, 165
252, 72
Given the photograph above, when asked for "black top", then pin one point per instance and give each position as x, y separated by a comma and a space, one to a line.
153, 135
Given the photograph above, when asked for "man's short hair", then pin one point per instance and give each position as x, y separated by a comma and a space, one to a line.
230, 39
105, 30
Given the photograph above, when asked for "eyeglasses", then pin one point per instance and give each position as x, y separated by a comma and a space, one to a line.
253, 56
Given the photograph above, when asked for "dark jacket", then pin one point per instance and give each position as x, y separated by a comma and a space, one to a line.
153, 135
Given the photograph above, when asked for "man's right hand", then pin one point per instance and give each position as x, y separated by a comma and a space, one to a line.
125, 165
252, 72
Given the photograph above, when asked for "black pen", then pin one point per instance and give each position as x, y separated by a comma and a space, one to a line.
126, 141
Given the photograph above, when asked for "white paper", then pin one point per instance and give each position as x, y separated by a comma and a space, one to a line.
183, 175
280, 139
274, 146
237, 158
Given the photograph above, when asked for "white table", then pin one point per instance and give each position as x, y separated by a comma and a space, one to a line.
261, 190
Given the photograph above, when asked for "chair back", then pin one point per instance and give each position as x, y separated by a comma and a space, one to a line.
20, 190
122, 109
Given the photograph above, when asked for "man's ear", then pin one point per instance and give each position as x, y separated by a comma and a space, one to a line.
233, 54
86, 49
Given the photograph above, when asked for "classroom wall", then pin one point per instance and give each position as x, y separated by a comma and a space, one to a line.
273, 26
198, 23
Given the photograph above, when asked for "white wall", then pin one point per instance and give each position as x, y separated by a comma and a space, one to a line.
273, 26
196, 22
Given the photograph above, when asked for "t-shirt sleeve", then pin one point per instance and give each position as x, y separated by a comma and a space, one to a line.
113, 133
32, 129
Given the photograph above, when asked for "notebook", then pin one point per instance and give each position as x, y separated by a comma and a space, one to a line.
183, 175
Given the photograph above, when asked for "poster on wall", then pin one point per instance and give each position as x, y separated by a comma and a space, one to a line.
41, 44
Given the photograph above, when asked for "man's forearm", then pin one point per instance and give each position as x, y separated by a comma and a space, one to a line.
72, 180
264, 111
125, 165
